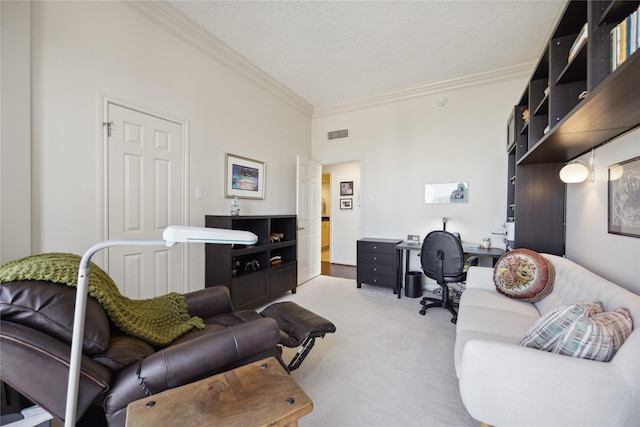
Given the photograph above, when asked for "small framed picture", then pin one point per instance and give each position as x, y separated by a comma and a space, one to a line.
244, 178
346, 188
346, 204
413, 238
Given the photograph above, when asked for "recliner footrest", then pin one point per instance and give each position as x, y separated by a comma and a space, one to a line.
298, 327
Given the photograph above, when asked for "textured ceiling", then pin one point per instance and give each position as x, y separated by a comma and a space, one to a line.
330, 52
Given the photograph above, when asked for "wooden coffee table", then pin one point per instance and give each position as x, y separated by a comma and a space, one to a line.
259, 394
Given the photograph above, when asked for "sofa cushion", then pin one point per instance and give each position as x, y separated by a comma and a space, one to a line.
547, 332
524, 274
581, 330
597, 337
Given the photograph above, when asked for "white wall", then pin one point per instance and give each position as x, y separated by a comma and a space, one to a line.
15, 131
82, 51
407, 143
588, 242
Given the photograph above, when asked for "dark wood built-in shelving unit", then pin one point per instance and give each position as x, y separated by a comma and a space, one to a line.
254, 284
563, 124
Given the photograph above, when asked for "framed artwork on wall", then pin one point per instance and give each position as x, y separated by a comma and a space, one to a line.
624, 198
346, 188
244, 178
450, 192
346, 204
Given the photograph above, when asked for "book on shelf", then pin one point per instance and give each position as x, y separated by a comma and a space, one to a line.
624, 39
579, 42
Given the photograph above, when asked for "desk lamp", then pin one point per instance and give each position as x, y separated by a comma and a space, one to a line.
172, 234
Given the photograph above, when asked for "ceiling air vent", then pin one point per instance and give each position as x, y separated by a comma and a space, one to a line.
337, 134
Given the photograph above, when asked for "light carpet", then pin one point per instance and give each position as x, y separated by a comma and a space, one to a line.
386, 365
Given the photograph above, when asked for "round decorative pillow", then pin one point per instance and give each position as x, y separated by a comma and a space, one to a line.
524, 275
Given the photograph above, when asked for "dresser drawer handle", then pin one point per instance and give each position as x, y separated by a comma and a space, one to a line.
375, 258
375, 247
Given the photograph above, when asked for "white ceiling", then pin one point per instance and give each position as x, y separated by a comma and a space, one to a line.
330, 52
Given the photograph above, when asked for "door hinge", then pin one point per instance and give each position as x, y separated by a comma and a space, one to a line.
109, 126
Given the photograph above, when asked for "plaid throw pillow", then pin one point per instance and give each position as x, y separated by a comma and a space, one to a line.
547, 332
581, 330
597, 337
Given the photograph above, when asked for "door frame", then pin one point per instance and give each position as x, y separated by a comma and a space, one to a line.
103, 168
359, 197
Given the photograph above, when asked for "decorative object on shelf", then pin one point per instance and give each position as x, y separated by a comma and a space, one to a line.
346, 188
235, 209
454, 192
525, 115
275, 260
346, 204
276, 237
236, 266
244, 178
624, 198
486, 243
578, 171
252, 265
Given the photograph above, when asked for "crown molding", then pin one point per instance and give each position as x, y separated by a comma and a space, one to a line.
522, 70
175, 22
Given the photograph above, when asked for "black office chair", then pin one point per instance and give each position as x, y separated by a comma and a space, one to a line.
442, 259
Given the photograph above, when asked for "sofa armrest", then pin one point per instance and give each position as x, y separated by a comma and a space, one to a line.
189, 361
209, 302
480, 277
506, 384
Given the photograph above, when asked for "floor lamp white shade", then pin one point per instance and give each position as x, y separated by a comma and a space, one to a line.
172, 234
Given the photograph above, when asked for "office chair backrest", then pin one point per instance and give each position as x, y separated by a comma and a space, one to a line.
446, 247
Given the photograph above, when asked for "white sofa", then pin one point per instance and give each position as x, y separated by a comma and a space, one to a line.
505, 384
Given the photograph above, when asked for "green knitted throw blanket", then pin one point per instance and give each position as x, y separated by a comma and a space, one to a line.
158, 320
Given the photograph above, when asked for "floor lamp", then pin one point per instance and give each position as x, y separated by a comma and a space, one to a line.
172, 234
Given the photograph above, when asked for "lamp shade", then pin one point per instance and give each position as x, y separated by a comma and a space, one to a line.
574, 172
175, 234
615, 172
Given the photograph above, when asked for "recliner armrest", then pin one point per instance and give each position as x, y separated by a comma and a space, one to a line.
189, 361
209, 302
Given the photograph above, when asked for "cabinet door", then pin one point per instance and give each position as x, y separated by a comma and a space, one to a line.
283, 279
540, 208
250, 290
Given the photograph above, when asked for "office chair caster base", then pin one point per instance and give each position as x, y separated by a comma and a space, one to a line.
440, 304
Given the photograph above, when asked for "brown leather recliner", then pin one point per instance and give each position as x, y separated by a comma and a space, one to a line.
36, 330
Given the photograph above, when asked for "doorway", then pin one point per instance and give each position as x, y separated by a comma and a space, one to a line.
325, 247
341, 218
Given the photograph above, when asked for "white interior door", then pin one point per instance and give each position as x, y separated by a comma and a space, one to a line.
309, 211
145, 194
